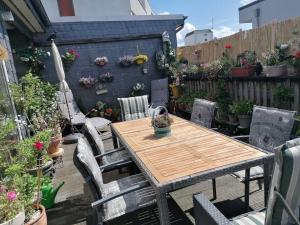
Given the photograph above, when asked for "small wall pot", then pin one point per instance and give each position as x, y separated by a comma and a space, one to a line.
221, 116
162, 132
244, 120
18, 220
243, 71
41, 220
54, 144
275, 71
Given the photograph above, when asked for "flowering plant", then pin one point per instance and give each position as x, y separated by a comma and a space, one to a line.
101, 61
277, 56
295, 61
106, 77
70, 56
126, 60
10, 205
87, 82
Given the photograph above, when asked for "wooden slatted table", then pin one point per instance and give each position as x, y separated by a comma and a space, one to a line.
190, 154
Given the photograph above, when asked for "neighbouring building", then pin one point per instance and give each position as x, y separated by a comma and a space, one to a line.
262, 12
93, 10
198, 37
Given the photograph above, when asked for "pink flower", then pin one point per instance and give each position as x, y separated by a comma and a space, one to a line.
2, 188
11, 195
297, 55
228, 46
38, 145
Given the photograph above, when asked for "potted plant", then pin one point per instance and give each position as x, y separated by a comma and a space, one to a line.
232, 114
274, 61
140, 59
101, 61
294, 61
223, 101
55, 141
161, 122
137, 89
87, 82
11, 207
245, 66
282, 96
69, 57
106, 78
243, 110
126, 60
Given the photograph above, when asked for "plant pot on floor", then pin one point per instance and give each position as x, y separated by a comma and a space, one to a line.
41, 219
244, 120
275, 71
54, 144
18, 220
247, 71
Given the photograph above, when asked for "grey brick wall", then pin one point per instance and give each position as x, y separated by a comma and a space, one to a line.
124, 78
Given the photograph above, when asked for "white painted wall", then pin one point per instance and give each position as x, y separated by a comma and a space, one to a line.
270, 11
198, 37
95, 10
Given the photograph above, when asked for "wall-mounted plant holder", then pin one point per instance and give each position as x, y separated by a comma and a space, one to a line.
106, 78
101, 61
101, 89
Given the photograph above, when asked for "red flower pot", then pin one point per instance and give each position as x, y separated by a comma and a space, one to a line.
243, 71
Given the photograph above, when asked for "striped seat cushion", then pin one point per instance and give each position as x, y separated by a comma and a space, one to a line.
129, 202
134, 107
255, 218
286, 180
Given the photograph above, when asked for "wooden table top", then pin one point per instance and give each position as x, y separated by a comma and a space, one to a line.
188, 150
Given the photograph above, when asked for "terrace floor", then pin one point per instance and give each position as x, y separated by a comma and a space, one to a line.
73, 200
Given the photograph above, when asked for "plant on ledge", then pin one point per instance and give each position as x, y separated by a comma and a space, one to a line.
243, 110
161, 122
69, 57
295, 62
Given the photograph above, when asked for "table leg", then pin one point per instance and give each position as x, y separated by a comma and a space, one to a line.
247, 189
267, 173
115, 139
163, 209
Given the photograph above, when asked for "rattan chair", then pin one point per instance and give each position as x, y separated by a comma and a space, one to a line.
284, 198
114, 199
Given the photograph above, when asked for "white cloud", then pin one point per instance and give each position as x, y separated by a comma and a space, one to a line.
223, 31
246, 2
188, 27
164, 13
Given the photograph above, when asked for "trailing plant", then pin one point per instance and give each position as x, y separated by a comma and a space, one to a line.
244, 107
282, 96
36, 99
87, 82
223, 97
126, 60
295, 61
162, 121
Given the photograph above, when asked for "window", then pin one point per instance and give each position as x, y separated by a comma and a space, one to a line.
66, 7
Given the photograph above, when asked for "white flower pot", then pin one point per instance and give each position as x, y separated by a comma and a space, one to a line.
18, 220
275, 71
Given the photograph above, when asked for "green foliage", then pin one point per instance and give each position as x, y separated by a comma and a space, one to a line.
282, 96
277, 56
37, 99
241, 108
27, 154
4, 104
226, 64
189, 98
247, 58
223, 97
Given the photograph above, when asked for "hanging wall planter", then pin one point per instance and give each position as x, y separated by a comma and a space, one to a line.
101, 61
140, 59
106, 78
126, 60
87, 82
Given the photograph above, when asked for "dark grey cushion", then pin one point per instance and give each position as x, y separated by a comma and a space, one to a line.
159, 92
270, 127
129, 202
203, 112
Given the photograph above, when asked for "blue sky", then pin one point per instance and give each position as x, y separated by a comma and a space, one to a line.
200, 13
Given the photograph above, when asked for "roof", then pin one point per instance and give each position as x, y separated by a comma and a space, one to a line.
250, 4
198, 31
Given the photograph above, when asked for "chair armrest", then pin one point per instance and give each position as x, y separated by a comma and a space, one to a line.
115, 165
287, 208
206, 213
111, 151
121, 193
244, 138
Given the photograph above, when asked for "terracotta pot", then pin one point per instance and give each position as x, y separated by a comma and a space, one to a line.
244, 121
18, 220
54, 144
275, 71
243, 71
41, 220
